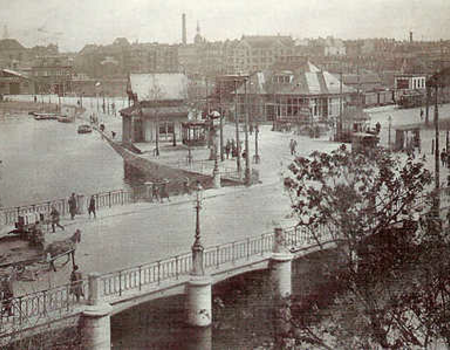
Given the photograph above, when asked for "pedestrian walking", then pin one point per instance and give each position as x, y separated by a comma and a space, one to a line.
155, 193
76, 237
233, 151
72, 206
7, 296
228, 148
76, 283
443, 157
91, 207
421, 114
186, 186
55, 217
164, 193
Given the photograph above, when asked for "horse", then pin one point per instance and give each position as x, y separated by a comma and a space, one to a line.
63, 247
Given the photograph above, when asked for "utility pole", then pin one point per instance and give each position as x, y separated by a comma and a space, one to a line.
248, 179
236, 119
436, 152
221, 110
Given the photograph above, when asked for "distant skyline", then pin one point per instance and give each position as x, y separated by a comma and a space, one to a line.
73, 24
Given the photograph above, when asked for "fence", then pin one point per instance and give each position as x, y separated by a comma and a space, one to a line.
205, 167
108, 199
20, 311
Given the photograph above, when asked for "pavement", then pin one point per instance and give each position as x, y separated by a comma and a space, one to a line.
130, 235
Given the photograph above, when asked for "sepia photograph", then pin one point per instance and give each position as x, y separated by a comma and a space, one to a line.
224, 175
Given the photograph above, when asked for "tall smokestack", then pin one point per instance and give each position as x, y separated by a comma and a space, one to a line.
411, 37
184, 29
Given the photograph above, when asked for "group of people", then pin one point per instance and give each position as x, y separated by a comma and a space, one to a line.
55, 215
159, 192
232, 149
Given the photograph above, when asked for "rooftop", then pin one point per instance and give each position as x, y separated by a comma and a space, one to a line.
159, 86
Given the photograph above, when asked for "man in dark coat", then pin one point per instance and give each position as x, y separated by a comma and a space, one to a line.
72, 206
54, 216
76, 283
91, 207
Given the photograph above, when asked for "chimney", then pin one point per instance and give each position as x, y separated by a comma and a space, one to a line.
411, 37
184, 29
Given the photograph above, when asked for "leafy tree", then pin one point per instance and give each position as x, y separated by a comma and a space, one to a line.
396, 278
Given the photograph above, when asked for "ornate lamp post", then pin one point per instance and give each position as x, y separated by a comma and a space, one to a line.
215, 119
97, 87
389, 132
197, 247
256, 157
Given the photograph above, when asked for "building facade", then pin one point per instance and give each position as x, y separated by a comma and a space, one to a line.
15, 83
53, 75
159, 108
292, 92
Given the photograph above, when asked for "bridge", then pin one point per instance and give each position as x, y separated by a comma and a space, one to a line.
114, 292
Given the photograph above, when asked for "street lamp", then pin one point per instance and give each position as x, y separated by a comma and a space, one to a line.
215, 119
97, 87
256, 157
197, 247
389, 131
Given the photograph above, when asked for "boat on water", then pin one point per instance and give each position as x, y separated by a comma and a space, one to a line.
64, 119
44, 116
84, 129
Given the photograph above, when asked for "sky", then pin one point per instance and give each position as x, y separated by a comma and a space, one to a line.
73, 24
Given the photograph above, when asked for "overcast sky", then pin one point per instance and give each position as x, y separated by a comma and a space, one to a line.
72, 24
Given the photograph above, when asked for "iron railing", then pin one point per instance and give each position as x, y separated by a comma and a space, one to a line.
24, 310
9, 215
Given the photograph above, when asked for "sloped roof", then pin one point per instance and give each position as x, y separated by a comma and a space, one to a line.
10, 44
163, 112
12, 72
159, 87
306, 80
266, 41
355, 79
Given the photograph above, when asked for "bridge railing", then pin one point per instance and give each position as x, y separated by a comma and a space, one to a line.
59, 301
24, 310
117, 282
108, 199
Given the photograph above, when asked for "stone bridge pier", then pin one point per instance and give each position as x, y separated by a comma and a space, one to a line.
95, 321
96, 318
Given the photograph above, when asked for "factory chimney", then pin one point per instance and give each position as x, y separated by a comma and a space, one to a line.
184, 29
411, 37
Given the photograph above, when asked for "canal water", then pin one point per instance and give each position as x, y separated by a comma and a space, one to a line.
242, 314
48, 160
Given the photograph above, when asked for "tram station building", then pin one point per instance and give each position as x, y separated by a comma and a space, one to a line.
159, 108
288, 90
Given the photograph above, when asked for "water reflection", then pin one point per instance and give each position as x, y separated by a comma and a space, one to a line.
242, 312
48, 160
